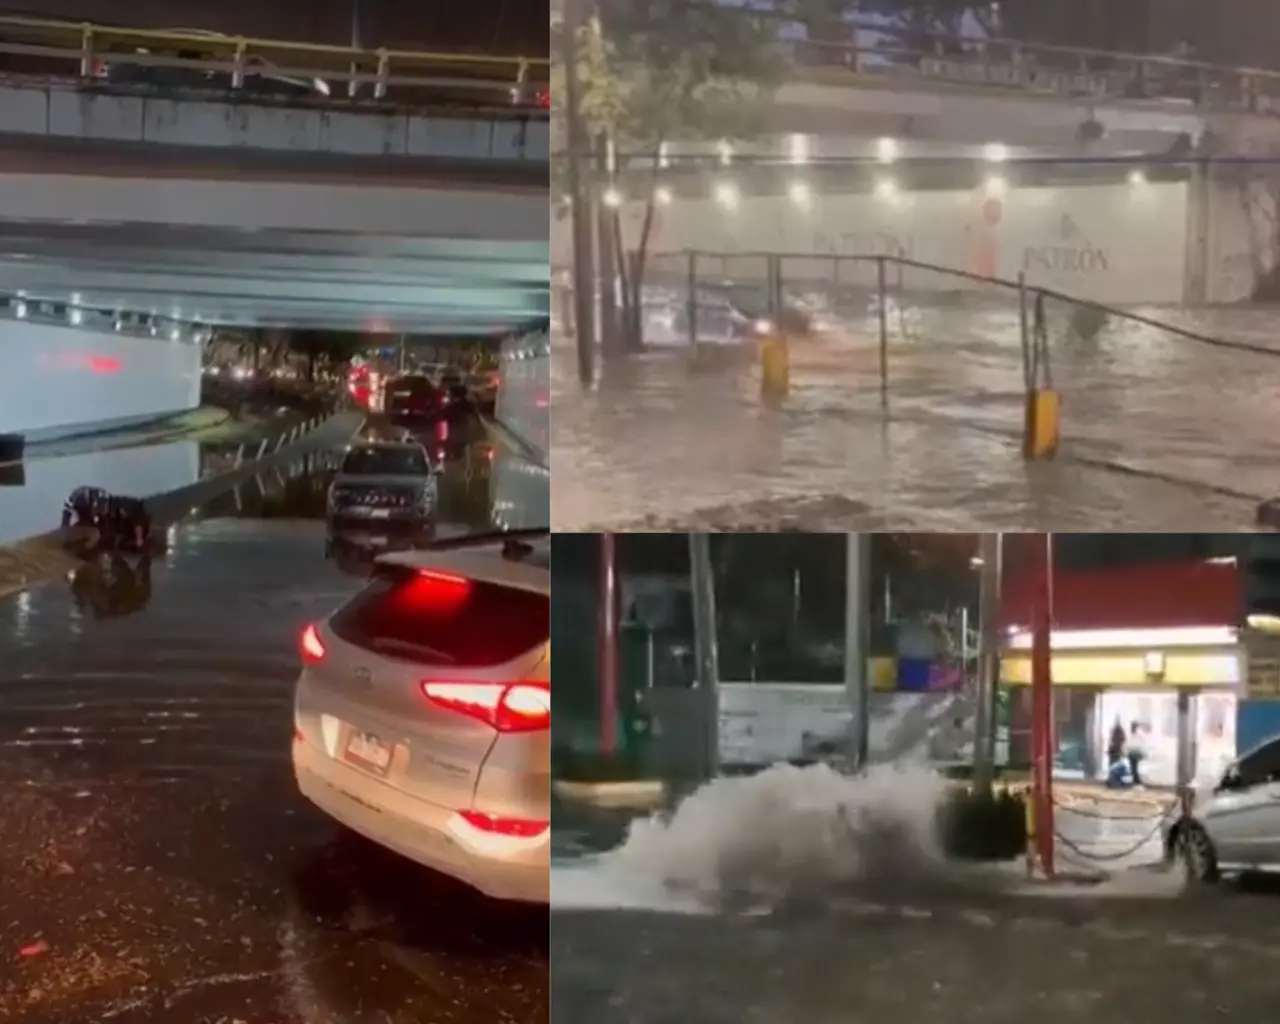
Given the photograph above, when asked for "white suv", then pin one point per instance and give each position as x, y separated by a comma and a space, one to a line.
423, 711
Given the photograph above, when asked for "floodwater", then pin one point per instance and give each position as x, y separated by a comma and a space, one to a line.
1159, 432
158, 863
755, 901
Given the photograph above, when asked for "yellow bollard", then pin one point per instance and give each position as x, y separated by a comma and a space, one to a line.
775, 369
1042, 428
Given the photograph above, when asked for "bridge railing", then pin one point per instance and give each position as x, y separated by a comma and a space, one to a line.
86, 53
1012, 65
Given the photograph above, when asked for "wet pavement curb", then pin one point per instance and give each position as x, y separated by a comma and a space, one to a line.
42, 558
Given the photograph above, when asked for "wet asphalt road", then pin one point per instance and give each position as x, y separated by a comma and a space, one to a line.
947, 958
156, 862
1160, 433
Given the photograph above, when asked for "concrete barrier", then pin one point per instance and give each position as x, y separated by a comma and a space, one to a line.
44, 557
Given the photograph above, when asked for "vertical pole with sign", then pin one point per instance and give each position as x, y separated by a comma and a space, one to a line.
1042, 739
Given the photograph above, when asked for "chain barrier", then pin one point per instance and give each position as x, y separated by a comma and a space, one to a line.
1165, 813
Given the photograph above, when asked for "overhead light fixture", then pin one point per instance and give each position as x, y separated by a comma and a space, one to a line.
1137, 177
886, 150
800, 193
995, 152
726, 152
611, 198
662, 195
726, 194
799, 148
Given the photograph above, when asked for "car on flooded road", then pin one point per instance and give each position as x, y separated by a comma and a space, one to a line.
384, 495
423, 711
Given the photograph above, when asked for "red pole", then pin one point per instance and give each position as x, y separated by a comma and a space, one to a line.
1042, 735
608, 643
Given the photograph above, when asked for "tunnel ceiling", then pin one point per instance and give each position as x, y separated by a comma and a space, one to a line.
277, 278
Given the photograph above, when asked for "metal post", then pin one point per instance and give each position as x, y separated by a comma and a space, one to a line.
352, 87
706, 647
857, 635
692, 286
1042, 738
608, 643
984, 746
577, 150
1186, 757
1024, 331
883, 291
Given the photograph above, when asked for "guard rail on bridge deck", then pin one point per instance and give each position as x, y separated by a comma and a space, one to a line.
32, 47
1035, 68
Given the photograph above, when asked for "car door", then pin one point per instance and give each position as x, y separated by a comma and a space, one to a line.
1244, 816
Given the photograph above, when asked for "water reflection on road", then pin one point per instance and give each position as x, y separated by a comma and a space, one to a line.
159, 863
1160, 433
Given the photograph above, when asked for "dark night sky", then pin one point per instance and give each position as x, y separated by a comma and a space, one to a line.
500, 26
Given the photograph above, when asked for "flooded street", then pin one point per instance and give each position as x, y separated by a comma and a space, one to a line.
747, 903
1159, 432
159, 863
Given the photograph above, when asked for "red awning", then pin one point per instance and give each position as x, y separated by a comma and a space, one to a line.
1157, 596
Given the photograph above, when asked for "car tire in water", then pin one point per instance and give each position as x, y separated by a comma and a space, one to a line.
1197, 855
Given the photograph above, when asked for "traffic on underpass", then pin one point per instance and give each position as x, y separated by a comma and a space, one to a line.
201, 843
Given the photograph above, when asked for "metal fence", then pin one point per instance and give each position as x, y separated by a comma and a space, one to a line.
910, 326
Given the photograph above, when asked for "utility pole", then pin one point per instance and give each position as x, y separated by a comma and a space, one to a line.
990, 570
610, 608
706, 647
578, 150
1043, 741
857, 635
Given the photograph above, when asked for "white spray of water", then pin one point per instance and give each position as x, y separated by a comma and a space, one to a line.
760, 838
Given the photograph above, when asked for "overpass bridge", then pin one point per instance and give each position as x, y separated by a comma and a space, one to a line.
418, 205
952, 88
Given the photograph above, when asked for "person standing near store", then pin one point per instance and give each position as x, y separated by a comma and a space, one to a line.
1136, 752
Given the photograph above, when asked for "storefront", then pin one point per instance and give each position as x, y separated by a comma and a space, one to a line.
1135, 651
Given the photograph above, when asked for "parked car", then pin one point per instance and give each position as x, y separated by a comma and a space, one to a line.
423, 711
1233, 828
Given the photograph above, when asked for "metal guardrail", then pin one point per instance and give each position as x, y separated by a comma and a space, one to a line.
1040, 69
85, 52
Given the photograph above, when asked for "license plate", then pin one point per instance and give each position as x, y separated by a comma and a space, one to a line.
367, 751
380, 513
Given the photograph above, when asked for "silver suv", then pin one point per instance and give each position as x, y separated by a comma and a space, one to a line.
1234, 827
383, 491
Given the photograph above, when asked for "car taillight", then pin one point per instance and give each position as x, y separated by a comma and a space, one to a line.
495, 825
310, 646
508, 707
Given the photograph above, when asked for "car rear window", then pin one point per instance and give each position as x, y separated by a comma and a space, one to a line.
441, 620
386, 462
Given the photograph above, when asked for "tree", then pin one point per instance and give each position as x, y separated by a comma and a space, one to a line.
331, 346
660, 71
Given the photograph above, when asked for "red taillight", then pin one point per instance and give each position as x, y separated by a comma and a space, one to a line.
516, 828
310, 646
508, 707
